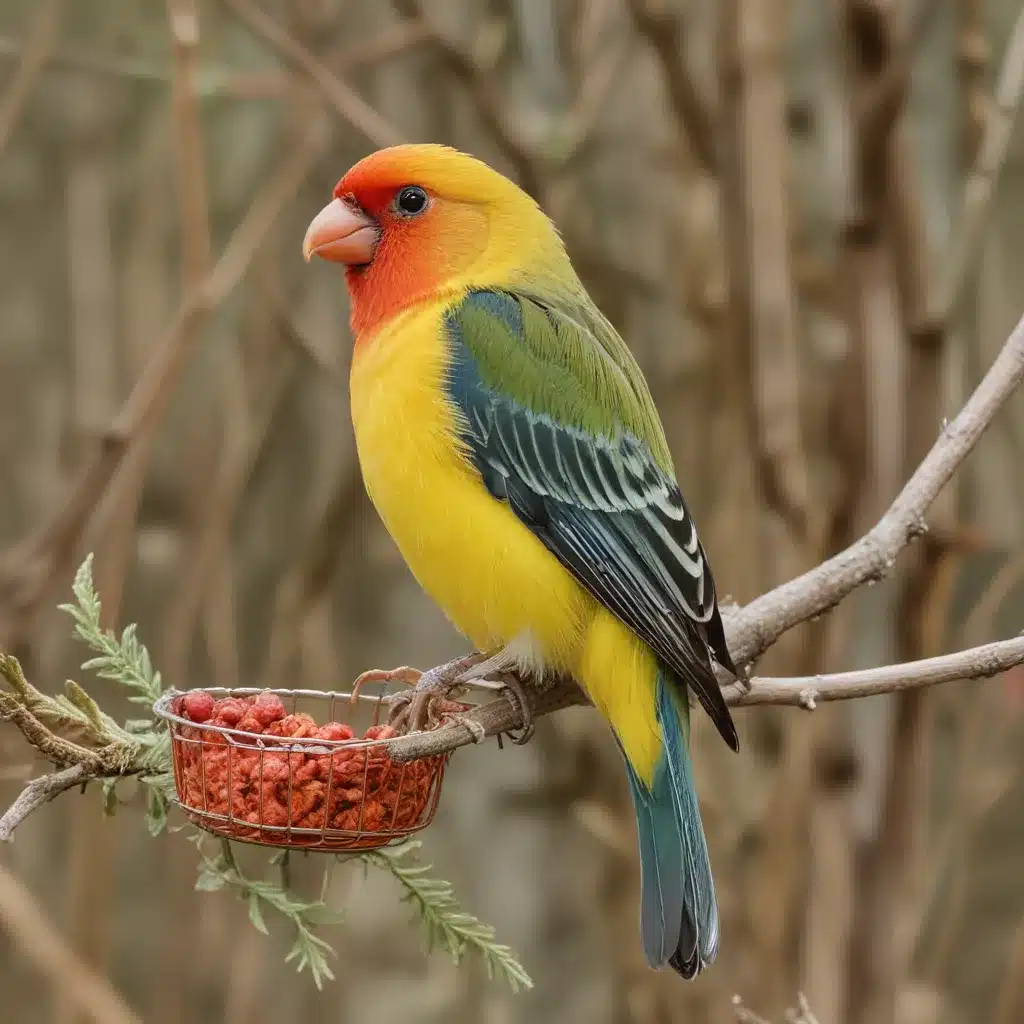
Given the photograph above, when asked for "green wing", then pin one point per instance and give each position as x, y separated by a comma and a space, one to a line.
558, 420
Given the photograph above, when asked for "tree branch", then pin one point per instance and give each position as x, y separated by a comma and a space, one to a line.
38, 792
751, 630
974, 663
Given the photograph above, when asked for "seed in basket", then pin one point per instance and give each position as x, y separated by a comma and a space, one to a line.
198, 706
228, 711
335, 731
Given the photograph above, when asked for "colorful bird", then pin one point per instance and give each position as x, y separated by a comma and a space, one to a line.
511, 446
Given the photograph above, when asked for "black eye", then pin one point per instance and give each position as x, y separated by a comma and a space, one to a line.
411, 200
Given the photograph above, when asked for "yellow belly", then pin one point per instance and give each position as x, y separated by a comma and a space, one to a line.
493, 578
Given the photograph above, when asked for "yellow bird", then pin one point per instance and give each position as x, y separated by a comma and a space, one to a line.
510, 444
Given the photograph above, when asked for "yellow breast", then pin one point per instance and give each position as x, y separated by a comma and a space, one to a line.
494, 579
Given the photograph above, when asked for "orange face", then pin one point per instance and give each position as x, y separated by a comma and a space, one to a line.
400, 234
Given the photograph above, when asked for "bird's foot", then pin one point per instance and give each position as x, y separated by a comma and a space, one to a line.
743, 678
428, 704
502, 680
516, 694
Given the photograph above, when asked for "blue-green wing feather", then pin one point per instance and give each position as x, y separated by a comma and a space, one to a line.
557, 430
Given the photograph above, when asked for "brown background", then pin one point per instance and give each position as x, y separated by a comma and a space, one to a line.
765, 197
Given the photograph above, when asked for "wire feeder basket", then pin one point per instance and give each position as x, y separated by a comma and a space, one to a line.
299, 792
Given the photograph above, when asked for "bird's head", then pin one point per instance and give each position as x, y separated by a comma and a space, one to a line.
416, 222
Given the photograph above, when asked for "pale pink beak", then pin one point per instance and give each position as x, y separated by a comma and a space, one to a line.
341, 233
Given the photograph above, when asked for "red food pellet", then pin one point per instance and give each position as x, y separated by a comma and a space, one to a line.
229, 711
335, 731
198, 706
268, 709
380, 732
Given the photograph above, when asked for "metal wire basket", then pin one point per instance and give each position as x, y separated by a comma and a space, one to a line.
241, 776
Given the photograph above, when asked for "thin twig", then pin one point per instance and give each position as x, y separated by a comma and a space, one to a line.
983, 178
974, 663
665, 31
38, 792
33, 58
35, 938
478, 83
751, 630
342, 99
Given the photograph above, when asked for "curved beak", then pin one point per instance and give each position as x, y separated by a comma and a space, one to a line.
342, 234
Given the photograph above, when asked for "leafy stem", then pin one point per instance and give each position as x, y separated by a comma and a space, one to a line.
221, 870
446, 925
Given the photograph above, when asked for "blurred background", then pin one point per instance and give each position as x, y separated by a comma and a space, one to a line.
767, 197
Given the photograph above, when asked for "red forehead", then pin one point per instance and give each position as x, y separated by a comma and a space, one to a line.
375, 179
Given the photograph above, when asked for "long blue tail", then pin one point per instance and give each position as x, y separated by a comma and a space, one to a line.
678, 911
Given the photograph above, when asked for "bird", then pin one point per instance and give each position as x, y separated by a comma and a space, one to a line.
509, 442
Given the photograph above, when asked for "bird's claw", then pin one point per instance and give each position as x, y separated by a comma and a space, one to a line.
405, 674
428, 705
516, 694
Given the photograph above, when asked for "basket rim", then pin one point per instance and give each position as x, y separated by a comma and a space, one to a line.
306, 744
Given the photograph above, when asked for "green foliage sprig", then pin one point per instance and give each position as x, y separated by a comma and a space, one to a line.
446, 925
125, 660
220, 870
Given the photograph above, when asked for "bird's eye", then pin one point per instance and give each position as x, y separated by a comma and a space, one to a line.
411, 200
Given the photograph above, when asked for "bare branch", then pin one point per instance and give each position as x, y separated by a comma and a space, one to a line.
984, 175
33, 58
501, 716
491, 719
38, 792
975, 663
30, 567
754, 628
